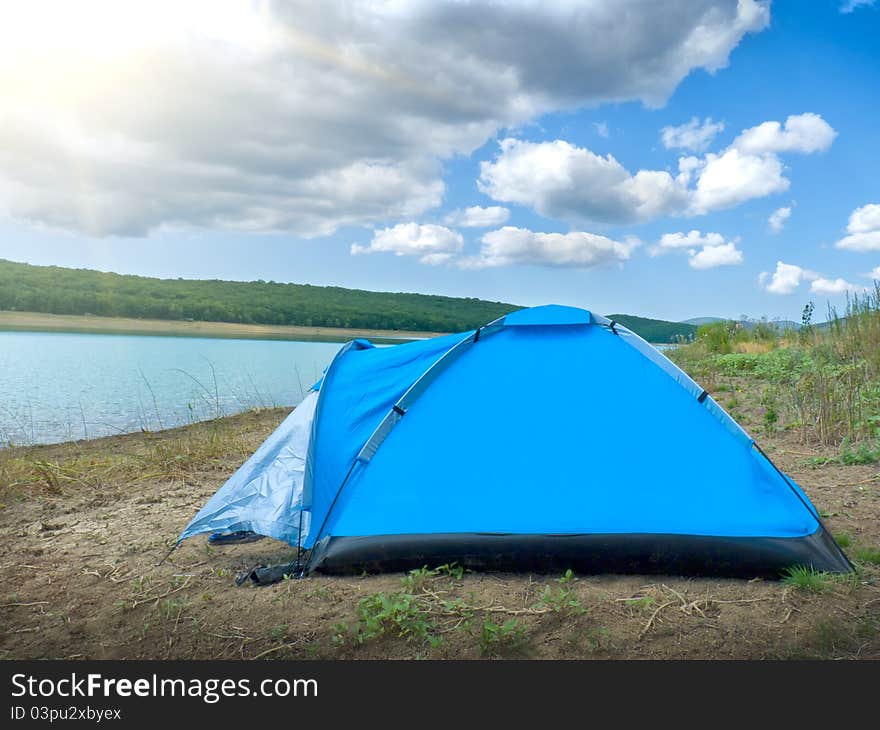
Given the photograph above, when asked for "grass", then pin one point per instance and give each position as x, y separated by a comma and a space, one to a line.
179, 453
420, 612
805, 578
868, 555
823, 382
863, 453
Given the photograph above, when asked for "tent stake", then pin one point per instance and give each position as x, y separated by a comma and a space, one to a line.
299, 543
168, 554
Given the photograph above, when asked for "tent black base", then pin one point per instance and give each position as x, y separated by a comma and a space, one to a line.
746, 557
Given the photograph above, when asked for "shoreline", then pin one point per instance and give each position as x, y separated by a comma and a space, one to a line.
89, 324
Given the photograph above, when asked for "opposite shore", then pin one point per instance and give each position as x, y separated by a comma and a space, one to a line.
90, 324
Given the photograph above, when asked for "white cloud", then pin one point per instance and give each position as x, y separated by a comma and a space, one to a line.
306, 117
849, 5
602, 129
864, 219
788, 277
726, 254
778, 218
433, 244
478, 217
785, 279
861, 242
691, 239
805, 133
874, 273
705, 251
732, 178
863, 229
559, 180
694, 135
833, 287
510, 245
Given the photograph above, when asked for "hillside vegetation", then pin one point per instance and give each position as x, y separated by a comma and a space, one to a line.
57, 290
820, 381
656, 330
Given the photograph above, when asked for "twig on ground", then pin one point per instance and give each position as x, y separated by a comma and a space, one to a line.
654, 615
135, 604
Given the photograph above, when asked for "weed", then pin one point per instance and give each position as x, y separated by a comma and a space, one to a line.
868, 555
597, 638
400, 613
453, 570
340, 634
416, 580
843, 539
643, 602
806, 578
320, 592
862, 454
567, 577
171, 608
495, 638
277, 633
561, 600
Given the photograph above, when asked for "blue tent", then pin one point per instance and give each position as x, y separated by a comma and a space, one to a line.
548, 439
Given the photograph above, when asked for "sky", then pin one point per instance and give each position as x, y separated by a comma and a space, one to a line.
671, 160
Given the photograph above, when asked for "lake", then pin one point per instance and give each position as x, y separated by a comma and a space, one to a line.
59, 387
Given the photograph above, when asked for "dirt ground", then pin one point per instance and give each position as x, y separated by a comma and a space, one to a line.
83, 525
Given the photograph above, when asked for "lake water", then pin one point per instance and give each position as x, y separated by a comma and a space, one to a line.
59, 387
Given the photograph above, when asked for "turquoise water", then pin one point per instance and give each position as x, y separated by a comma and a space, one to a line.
59, 387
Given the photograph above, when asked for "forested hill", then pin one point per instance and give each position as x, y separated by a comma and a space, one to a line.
656, 330
57, 290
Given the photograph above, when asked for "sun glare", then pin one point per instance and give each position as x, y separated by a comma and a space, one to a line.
107, 28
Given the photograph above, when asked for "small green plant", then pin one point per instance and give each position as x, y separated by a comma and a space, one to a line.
843, 539
171, 608
495, 638
416, 580
453, 570
643, 602
277, 633
321, 592
567, 577
340, 634
562, 599
597, 638
805, 578
141, 584
869, 555
771, 415
399, 613
848, 456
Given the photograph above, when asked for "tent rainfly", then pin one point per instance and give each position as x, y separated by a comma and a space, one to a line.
552, 438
